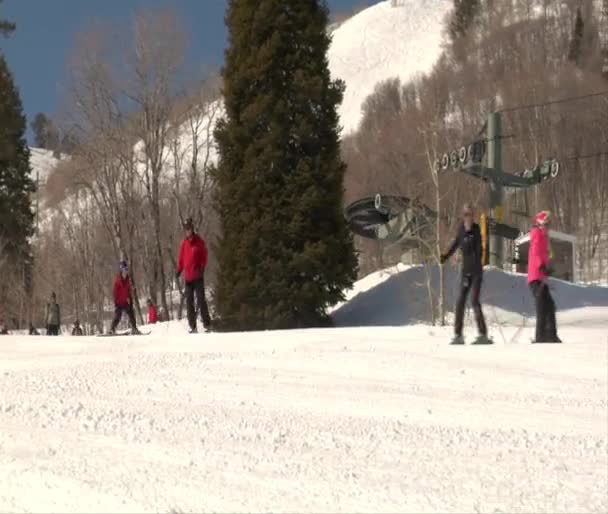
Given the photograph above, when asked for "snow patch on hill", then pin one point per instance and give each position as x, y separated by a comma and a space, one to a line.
43, 162
382, 42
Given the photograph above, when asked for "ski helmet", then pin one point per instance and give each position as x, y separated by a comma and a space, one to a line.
188, 224
542, 218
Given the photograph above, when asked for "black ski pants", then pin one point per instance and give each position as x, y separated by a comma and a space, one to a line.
470, 283
197, 287
546, 325
118, 310
52, 330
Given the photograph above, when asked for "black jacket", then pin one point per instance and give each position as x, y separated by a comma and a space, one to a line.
469, 242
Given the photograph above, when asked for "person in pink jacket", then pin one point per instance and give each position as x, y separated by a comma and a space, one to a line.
538, 275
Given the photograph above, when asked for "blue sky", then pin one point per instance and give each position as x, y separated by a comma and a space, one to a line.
46, 31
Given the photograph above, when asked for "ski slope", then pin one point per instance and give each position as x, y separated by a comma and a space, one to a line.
377, 419
383, 42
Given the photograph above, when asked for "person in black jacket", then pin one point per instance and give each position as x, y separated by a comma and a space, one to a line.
468, 240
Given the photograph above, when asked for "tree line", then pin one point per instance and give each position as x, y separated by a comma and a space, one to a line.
264, 187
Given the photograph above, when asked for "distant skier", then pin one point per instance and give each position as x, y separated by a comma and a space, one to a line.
468, 240
3, 328
77, 329
152, 314
123, 299
192, 262
53, 316
33, 331
538, 274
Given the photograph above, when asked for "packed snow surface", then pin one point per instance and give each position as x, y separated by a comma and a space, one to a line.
383, 42
337, 420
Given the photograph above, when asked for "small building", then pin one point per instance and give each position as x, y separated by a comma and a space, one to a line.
563, 251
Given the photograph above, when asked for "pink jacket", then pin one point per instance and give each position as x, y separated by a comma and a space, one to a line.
538, 256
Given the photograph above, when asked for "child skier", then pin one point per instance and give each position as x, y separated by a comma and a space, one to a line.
152, 314
468, 239
123, 299
538, 275
53, 316
77, 329
193, 261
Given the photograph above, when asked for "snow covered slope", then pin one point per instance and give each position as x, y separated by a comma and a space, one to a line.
383, 42
42, 163
398, 296
342, 420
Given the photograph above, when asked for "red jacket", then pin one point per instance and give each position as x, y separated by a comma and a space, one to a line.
152, 315
123, 291
538, 255
192, 258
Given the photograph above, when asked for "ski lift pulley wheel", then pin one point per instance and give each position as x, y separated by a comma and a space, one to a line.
462, 155
454, 159
378, 201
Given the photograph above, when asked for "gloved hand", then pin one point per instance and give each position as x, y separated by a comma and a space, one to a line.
443, 258
546, 269
177, 275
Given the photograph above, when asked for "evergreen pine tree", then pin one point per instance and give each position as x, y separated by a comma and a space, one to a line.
285, 253
576, 43
463, 15
16, 185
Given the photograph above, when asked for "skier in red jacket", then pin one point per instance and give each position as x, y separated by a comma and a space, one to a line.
152, 314
123, 299
192, 262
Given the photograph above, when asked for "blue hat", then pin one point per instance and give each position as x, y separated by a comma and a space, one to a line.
124, 266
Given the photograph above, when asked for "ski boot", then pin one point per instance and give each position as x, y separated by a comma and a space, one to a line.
135, 332
457, 340
483, 339
192, 330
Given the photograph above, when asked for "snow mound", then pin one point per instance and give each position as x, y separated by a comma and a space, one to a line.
399, 296
382, 42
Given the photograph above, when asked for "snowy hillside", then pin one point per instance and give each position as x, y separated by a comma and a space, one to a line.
42, 163
342, 420
382, 42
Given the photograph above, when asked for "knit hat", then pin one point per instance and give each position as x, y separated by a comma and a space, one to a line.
124, 266
542, 218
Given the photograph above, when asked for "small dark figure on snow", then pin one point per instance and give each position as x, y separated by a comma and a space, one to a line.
33, 331
3, 329
539, 266
468, 240
152, 314
53, 316
123, 299
192, 262
77, 329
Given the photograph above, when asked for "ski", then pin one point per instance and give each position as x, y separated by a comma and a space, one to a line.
124, 333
